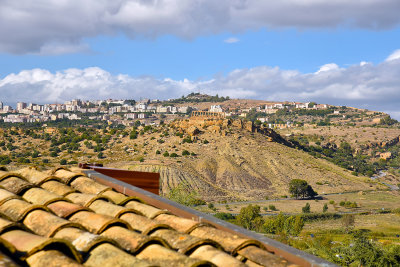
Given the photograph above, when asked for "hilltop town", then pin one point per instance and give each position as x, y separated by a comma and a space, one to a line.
153, 112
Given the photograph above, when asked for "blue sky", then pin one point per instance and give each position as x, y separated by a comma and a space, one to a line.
336, 52
206, 56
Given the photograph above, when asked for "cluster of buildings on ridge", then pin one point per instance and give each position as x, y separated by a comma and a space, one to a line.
124, 111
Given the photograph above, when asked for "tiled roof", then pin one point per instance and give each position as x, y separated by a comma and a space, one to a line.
64, 218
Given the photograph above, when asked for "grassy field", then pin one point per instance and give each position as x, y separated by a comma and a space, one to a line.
366, 201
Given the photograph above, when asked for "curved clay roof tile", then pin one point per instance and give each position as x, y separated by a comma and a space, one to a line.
27, 244
131, 240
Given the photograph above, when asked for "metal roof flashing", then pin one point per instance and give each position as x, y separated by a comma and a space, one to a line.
286, 252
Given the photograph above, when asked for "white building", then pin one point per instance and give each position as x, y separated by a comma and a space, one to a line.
161, 109
131, 116
21, 106
216, 108
7, 108
183, 109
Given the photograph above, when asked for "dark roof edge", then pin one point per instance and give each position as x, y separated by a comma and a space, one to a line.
289, 253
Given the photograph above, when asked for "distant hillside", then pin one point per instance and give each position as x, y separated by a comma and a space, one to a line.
243, 165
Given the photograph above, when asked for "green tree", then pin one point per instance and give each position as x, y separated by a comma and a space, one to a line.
299, 188
63, 162
249, 217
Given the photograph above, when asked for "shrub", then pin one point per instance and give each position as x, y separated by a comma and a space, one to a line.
158, 152
180, 194
173, 155
325, 208
166, 154
396, 211
193, 154
348, 221
185, 153
281, 224
331, 202
210, 206
224, 216
45, 160
205, 141
306, 208
63, 162
265, 208
272, 207
187, 140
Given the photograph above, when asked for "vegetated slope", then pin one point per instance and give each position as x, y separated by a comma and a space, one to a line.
244, 165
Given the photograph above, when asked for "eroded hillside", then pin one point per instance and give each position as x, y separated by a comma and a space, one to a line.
239, 164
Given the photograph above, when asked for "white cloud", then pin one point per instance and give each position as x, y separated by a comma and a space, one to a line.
29, 27
231, 40
395, 55
370, 86
329, 67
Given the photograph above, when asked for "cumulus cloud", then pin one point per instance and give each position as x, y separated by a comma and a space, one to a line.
27, 26
375, 87
395, 55
231, 40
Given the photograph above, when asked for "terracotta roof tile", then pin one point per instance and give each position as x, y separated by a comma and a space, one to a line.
66, 176
159, 255
15, 184
40, 196
84, 199
147, 210
178, 223
107, 255
64, 218
51, 258
46, 224
27, 244
216, 256
131, 240
65, 209
181, 242
260, 256
88, 186
7, 261
96, 223
17, 209
118, 198
103, 207
6, 195
57, 188
82, 240
142, 224
6, 225
230, 242
33, 175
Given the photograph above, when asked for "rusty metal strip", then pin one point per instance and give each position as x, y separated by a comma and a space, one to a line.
149, 181
289, 253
